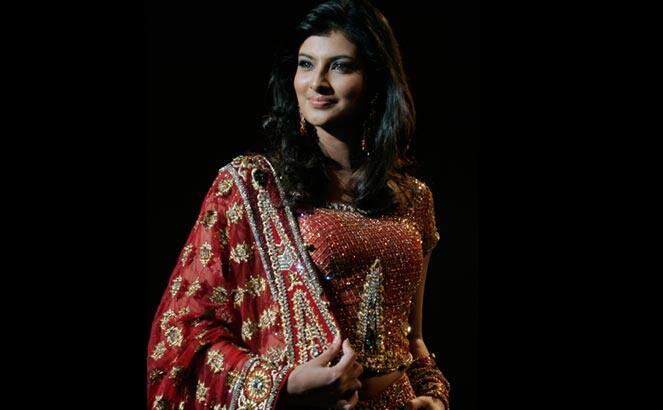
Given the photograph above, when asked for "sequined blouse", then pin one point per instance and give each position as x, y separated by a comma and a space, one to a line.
370, 269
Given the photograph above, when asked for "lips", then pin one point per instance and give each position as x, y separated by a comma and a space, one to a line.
321, 102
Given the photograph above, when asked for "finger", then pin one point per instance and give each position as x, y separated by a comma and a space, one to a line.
418, 403
357, 370
331, 352
348, 356
349, 404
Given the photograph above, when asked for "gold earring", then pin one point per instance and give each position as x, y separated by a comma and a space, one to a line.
302, 125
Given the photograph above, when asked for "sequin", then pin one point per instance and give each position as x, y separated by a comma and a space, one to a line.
371, 268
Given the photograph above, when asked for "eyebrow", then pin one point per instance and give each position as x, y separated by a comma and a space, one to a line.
338, 57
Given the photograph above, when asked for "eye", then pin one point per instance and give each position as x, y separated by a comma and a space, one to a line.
343, 67
304, 64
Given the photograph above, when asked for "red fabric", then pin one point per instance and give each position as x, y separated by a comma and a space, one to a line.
219, 318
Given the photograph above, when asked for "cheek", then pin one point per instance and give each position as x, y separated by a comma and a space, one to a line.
350, 89
300, 85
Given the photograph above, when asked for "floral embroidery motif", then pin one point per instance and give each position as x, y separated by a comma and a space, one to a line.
156, 375
185, 253
205, 253
224, 187
215, 360
193, 288
275, 355
167, 315
234, 213
161, 403
267, 318
209, 219
219, 295
254, 287
201, 392
175, 372
240, 253
177, 282
174, 336
158, 351
249, 327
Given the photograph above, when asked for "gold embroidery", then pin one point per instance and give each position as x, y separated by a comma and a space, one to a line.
218, 407
258, 385
161, 403
156, 375
275, 355
219, 295
205, 253
239, 296
175, 372
234, 213
223, 235
167, 315
231, 377
255, 285
309, 331
245, 161
224, 186
267, 318
209, 219
193, 288
249, 327
201, 392
240, 253
370, 331
215, 360
174, 336
180, 406
158, 351
294, 280
186, 252
175, 285
200, 335
185, 310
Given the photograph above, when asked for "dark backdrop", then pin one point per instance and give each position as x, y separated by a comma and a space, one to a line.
208, 66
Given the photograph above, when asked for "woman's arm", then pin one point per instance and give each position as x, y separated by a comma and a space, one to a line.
428, 382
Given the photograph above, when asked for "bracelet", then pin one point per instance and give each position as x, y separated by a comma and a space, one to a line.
428, 380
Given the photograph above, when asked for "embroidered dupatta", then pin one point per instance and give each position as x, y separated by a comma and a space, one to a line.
243, 306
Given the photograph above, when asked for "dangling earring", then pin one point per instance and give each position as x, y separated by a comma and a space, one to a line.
302, 125
369, 126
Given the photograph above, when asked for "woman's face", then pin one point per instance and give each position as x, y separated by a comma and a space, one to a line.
330, 80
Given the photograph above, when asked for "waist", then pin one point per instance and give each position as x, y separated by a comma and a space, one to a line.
372, 386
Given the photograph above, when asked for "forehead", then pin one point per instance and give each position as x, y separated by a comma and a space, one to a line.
330, 45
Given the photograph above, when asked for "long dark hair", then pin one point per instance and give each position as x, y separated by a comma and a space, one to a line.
299, 161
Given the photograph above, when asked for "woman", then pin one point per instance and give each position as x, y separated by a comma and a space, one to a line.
301, 284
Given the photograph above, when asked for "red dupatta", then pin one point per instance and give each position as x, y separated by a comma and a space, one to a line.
243, 306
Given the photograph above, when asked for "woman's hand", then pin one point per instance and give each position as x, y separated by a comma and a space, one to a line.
427, 403
314, 384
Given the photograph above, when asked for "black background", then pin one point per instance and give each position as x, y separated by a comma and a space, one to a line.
207, 71
564, 188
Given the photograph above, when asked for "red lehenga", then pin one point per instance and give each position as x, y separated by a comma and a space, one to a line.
252, 296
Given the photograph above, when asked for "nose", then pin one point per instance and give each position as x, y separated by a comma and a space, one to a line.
320, 83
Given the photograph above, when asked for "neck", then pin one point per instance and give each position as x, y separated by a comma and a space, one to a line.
340, 146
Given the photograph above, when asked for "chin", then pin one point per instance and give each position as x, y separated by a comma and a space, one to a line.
320, 120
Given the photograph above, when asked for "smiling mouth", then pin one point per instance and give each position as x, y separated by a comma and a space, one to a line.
321, 102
